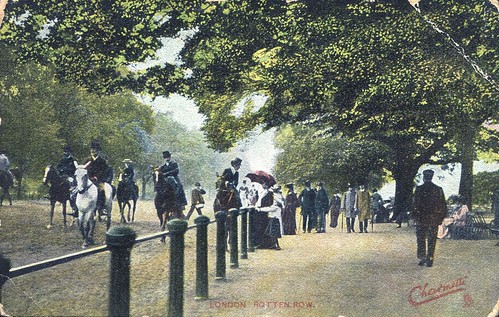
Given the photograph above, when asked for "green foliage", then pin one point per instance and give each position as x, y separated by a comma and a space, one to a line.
335, 160
484, 184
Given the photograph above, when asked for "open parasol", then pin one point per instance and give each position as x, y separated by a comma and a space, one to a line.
262, 178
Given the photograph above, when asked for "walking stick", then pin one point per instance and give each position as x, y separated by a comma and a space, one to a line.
299, 221
372, 222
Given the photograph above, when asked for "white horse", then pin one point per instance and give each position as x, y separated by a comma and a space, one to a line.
86, 202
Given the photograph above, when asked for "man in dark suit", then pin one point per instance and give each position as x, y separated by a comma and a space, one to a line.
67, 165
98, 170
307, 203
231, 174
170, 168
197, 200
429, 210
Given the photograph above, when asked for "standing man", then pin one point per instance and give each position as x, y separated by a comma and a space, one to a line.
307, 203
197, 200
321, 207
429, 211
335, 208
231, 174
348, 205
170, 168
377, 205
363, 207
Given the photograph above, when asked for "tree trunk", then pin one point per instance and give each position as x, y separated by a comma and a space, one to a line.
467, 154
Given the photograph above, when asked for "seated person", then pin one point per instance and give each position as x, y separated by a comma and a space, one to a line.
457, 219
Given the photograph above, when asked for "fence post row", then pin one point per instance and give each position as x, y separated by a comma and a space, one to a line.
251, 229
120, 241
5, 267
221, 217
234, 257
244, 233
177, 229
202, 257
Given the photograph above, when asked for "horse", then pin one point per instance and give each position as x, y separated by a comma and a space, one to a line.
126, 192
6, 182
58, 191
165, 200
227, 198
86, 202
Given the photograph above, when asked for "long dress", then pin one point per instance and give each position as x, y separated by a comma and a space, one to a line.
335, 210
289, 214
261, 221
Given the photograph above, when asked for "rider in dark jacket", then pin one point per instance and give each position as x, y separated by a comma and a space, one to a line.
98, 171
67, 164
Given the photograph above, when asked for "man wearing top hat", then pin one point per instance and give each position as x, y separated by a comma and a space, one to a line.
98, 171
197, 200
231, 174
307, 203
429, 211
170, 168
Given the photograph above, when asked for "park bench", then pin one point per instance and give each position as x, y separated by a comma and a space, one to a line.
475, 228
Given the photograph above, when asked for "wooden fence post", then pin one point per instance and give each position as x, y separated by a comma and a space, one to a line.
5, 267
221, 217
177, 229
120, 241
202, 257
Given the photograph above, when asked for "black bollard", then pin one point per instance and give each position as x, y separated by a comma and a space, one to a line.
234, 258
177, 230
5, 267
202, 257
251, 229
120, 241
244, 233
221, 217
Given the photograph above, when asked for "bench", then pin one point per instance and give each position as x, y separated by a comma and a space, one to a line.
475, 228
494, 229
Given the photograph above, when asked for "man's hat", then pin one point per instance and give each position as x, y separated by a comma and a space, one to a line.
236, 161
289, 186
95, 145
307, 183
166, 154
197, 184
320, 184
428, 172
67, 149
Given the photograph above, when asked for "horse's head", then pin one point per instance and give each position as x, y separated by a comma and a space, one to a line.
81, 178
49, 171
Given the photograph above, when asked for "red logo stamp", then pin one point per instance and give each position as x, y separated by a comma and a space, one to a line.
423, 293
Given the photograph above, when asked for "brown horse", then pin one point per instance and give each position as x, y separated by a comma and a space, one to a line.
165, 199
227, 198
58, 192
6, 182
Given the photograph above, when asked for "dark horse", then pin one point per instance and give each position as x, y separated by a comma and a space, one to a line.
165, 200
6, 182
227, 198
126, 192
58, 191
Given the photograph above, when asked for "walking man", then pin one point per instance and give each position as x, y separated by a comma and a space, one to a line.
321, 207
428, 212
307, 203
348, 205
197, 200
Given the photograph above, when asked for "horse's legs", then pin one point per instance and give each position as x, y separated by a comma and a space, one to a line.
122, 211
133, 210
91, 230
64, 213
164, 220
52, 206
129, 207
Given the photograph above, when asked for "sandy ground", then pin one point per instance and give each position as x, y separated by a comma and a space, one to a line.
331, 274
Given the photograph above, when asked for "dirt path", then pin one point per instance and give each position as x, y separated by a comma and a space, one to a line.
331, 274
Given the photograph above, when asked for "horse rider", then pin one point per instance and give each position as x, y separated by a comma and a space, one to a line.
98, 171
231, 174
67, 165
127, 174
5, 166
66, 168
170, 168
